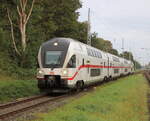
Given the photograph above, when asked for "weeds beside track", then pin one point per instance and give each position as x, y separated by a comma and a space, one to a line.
147, 75
122, 100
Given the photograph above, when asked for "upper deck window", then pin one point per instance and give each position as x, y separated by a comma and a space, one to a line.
116, 59
99, 55
94, 53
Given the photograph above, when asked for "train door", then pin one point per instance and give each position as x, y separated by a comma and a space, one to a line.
72, 66
108, 67
82, 70
88, 71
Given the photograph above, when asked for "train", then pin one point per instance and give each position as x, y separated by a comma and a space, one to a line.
67, 64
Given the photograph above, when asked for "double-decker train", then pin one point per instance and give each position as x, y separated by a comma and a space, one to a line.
65, 64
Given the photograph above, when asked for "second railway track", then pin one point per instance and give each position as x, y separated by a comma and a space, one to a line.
147, 75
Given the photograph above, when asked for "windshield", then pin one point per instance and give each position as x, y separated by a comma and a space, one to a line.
53, 58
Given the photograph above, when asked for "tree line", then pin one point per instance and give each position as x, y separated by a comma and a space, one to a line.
25, 24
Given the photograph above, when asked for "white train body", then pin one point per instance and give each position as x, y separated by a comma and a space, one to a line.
67, 63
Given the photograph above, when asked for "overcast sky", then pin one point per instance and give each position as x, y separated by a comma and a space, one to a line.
115, 20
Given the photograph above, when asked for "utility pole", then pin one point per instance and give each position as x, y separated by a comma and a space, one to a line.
89, 29
130, 54
123, 47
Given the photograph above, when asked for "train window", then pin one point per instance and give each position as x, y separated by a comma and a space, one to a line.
88, 51
97, 54
53, 58
116, 59
100, 55
92, 53
95, 72
72, 62
126, 70
116, 71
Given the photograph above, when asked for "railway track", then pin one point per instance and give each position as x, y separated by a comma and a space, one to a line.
3, 106
147, 75
9, 110
14, 108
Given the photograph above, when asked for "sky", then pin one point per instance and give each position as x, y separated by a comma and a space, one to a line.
117, 20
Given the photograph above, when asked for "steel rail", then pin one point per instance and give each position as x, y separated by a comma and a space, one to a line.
3, 106
23, 109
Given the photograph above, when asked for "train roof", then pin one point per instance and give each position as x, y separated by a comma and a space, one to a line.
69, 40
63, 40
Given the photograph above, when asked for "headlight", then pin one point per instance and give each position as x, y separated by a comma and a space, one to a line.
40, 72
55, 44
64, 71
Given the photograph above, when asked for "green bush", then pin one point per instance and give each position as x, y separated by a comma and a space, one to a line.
10, 90
9, 67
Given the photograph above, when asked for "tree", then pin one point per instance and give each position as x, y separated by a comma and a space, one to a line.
114, 51
127, 55
54, 18
81, 32
30, 27
137, 64
23, 20
66, 17
102, 44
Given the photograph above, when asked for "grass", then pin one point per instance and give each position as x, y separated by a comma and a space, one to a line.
14, 89
15, 82
123, 100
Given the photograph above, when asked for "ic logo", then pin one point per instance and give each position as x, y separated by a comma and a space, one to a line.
52, 73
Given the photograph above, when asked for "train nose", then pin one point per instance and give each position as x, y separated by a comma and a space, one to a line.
51, 81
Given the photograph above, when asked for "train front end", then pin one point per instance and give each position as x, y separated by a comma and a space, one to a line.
51, 72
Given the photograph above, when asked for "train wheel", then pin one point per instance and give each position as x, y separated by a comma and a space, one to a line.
105, 79
110, 78
79, 85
